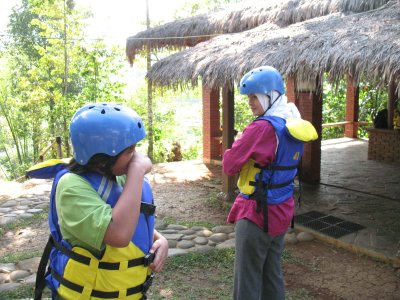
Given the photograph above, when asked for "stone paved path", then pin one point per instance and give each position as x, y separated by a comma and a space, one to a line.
181, 239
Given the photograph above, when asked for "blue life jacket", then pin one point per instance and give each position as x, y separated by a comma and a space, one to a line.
119, 273
273, 184
277, 179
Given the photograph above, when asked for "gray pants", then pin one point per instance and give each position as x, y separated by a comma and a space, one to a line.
258, 271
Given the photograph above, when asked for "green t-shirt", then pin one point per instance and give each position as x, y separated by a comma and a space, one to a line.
83, 216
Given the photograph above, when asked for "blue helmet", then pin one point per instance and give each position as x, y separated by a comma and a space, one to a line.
105, 128
262, 80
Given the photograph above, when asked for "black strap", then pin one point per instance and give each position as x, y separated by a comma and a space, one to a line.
142, 288
147, 208
300, 192
270, 186
261, 193
265, 212
71, 254
40, 283
279, 168
141, 261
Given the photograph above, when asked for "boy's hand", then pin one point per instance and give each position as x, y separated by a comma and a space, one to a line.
140, 162
160, 248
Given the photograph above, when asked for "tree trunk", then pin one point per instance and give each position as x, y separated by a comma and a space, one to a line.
149, 95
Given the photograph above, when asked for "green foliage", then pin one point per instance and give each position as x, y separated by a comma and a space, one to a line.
243, 114
176, 118
333, 109
50, 70
372, 99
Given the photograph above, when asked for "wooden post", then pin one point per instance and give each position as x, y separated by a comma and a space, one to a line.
390, 104
59, 151
228, 120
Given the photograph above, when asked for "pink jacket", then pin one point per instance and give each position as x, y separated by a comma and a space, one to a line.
258, 142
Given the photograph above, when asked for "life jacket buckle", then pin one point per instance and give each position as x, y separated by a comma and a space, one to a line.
147, 208
148, 259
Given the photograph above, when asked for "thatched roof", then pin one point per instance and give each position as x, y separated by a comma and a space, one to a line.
240, 17
364, 44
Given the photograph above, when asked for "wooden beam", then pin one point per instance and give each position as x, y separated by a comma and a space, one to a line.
390, 104
228, 123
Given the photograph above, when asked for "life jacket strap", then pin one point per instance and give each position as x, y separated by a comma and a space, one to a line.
272, 167
147, 209
140, 261
270, 186
142, 288
41, 274
261, 192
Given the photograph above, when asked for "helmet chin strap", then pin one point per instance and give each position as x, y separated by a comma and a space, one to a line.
263, 97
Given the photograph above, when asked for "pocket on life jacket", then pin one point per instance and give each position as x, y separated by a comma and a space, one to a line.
247, 173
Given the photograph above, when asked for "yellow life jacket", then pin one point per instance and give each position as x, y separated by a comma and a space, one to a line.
112, 277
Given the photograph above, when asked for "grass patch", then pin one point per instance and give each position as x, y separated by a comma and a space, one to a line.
22, 223
196, 276
25, 291
289, 258
215, 200
300, 294
205, 276
18, 256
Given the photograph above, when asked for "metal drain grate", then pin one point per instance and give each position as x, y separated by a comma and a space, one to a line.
327, 224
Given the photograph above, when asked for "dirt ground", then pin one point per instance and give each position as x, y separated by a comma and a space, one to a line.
189, 191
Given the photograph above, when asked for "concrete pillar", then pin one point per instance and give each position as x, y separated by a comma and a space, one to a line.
352, 108
211, 125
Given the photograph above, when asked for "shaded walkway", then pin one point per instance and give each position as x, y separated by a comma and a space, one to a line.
358, 190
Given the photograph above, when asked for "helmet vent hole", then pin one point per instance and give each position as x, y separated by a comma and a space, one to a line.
103, 111
244, 85
139, 125
117, 109
90, 107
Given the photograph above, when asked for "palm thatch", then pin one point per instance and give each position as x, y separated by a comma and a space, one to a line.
364, 44
240, 17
